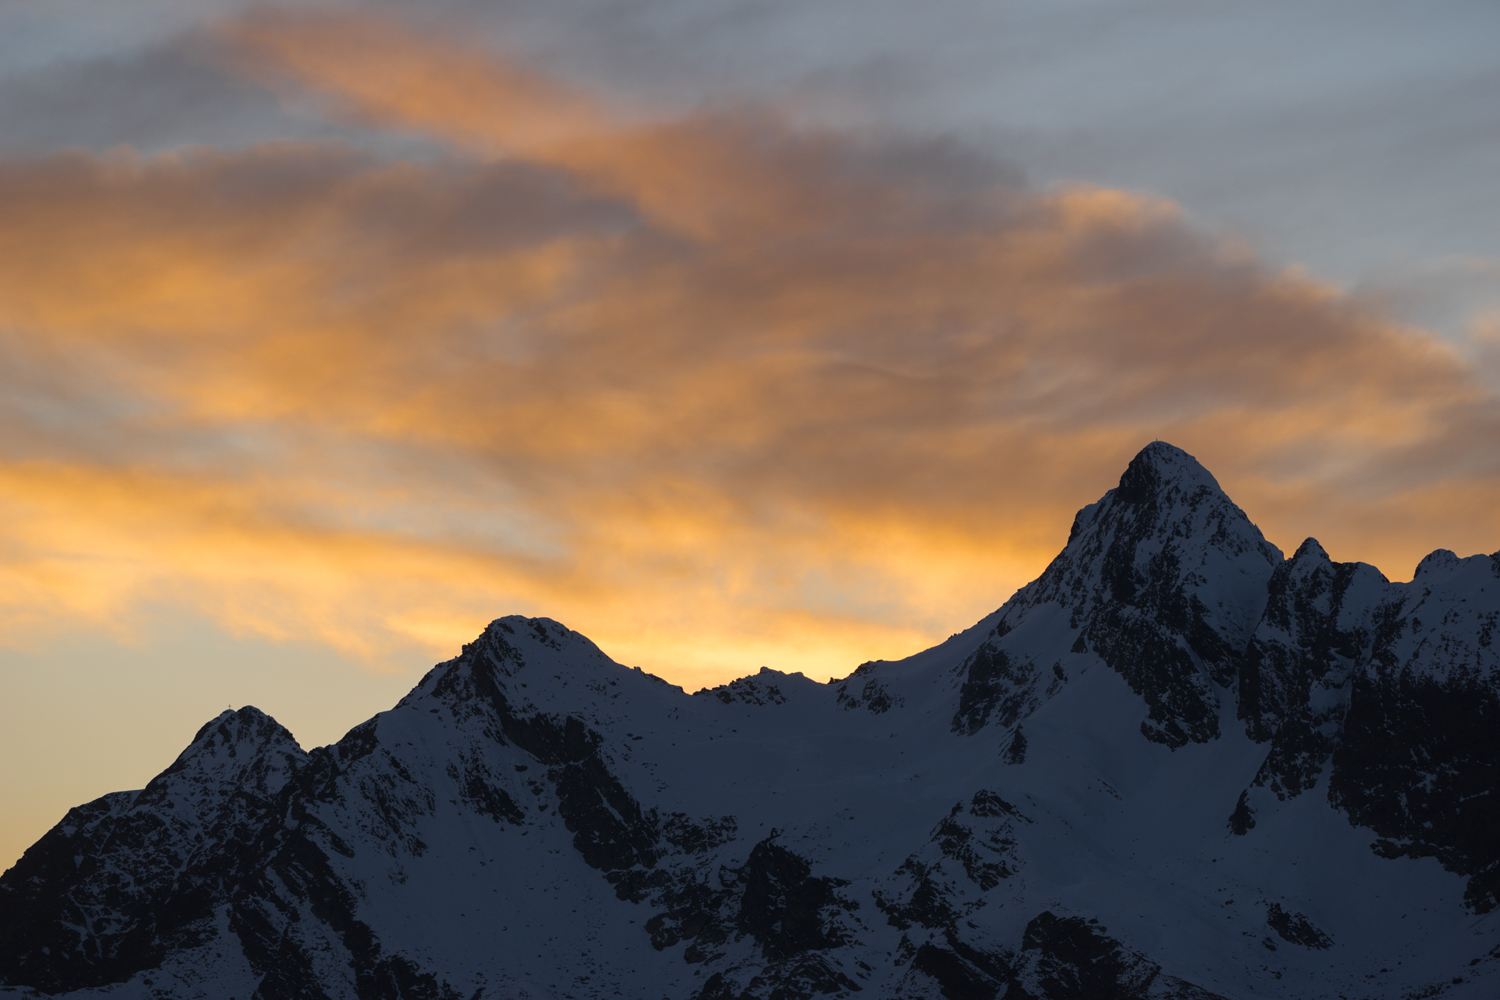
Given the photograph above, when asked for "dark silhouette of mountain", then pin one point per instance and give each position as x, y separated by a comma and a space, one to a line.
1176, 765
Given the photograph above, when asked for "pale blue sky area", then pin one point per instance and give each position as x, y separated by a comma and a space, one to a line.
1358, 138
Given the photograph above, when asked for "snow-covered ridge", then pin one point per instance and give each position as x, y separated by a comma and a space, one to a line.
1175, 765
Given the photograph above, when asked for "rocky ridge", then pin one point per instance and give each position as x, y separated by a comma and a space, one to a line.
1175, 765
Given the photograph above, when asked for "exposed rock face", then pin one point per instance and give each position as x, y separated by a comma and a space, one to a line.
1164, 579
1295, 680
129, 878
1419, 762
1393, 686
1033, 809
1070, 958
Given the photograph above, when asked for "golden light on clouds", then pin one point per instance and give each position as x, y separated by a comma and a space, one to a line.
715, 390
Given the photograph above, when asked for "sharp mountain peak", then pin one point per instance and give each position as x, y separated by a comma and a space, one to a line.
1159, 466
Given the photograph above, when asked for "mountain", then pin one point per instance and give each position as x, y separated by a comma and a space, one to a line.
1176, 765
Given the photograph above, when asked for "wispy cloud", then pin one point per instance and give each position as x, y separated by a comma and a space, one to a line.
717, 389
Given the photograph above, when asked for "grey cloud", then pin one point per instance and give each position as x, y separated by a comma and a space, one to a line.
1349, 136
163, 97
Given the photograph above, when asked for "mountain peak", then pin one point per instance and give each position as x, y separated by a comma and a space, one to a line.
1157, 467
1437, 562
1164, 578
1312, 549
247, 727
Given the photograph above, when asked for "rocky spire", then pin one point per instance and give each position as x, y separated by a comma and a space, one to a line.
1164, 578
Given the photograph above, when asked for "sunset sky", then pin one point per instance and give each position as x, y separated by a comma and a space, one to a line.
729, 333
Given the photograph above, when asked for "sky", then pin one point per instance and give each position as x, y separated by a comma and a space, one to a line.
728, 333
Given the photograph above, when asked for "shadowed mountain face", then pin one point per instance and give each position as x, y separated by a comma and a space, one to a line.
1174, 766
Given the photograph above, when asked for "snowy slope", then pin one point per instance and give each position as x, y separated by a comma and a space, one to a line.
1176, 765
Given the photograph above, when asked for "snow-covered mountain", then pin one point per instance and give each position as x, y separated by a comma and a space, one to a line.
1176, 765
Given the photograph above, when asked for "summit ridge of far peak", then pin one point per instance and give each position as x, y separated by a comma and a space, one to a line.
1164, 579
1159, 466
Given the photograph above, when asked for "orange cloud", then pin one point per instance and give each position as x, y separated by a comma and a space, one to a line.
716, 391
375, 68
